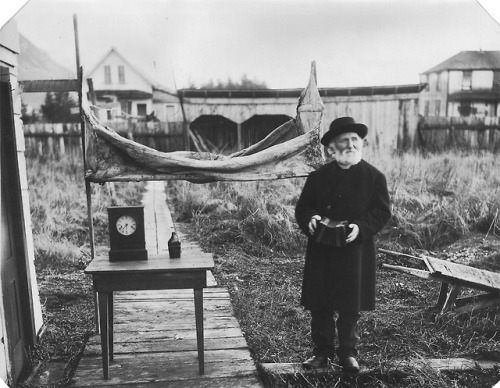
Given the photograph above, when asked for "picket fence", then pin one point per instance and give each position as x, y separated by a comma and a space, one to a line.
459, 133
60, 139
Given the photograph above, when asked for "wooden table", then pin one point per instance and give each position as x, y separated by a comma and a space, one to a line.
159, 272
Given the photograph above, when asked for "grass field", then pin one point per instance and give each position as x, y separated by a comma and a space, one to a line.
443, 205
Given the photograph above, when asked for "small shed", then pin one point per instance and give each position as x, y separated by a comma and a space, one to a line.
20, 310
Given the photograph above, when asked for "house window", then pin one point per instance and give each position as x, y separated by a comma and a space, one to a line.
482, 79
496, 80
170, 109
107, 74
465, 108
433, 81
141, 110
121, 74
466, 80
437, 108
426, 108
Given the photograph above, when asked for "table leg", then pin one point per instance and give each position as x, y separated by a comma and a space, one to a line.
111, 328
198, 310
96, 311
104, 326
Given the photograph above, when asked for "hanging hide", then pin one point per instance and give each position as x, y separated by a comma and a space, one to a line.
291, 150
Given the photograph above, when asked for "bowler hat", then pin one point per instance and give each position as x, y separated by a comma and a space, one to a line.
343, 125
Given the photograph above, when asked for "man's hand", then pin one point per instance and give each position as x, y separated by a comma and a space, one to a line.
313, 224
354, 233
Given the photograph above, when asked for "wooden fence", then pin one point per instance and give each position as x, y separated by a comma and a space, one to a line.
460, 133
433, 134
56, 140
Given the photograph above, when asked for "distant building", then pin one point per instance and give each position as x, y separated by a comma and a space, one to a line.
467, 84
124, 91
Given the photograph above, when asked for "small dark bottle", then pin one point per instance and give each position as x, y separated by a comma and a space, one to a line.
174, 247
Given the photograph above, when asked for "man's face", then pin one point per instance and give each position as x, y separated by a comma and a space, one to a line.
346, 148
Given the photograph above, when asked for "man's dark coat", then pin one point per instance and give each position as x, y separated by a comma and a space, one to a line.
343, 278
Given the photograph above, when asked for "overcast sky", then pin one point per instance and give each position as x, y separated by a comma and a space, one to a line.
354, 42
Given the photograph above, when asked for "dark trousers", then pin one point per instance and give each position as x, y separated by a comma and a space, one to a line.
323, 333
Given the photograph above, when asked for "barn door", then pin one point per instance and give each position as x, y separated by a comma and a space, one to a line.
12, 268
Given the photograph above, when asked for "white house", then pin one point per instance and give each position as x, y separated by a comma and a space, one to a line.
124, 91
20, 311
467, 84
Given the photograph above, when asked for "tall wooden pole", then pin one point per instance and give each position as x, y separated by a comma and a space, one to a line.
88, 189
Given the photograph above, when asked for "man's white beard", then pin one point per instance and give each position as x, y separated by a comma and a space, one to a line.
347, 159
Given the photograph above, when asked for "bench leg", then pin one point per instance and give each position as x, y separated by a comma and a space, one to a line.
443, 292
198, 310
450, 298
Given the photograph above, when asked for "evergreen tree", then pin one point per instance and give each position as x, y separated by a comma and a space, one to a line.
57, 108
29, 118
243, 84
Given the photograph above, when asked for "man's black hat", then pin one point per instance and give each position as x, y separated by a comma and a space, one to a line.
343, 125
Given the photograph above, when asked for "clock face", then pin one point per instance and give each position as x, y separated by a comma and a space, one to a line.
126, 225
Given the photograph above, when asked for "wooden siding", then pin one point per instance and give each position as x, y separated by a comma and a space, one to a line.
9, 49
392, 119
21, 148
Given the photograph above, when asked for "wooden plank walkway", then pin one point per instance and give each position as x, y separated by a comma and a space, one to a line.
155, 332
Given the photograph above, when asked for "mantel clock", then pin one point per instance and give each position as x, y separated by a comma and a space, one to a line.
126, 233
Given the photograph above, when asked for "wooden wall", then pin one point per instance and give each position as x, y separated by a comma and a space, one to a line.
392, 119
9, 50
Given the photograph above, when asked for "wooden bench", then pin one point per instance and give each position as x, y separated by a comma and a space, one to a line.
453, 278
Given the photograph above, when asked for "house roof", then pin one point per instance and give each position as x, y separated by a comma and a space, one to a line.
324, 92
141, 73
469, 60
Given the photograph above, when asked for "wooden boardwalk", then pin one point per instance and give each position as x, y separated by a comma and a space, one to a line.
155, 335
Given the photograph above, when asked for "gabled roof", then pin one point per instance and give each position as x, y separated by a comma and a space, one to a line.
469, 60
141, 73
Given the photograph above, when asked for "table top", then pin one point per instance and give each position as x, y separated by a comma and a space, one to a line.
162, 263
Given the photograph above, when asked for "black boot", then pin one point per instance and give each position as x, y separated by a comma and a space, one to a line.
347, 327
349, 365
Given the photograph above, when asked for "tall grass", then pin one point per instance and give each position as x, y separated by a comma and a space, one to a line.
58, 208
257, 215
436, 199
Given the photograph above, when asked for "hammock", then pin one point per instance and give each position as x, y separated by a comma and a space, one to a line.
291, 150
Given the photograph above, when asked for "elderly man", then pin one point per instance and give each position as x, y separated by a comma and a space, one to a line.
339, 275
